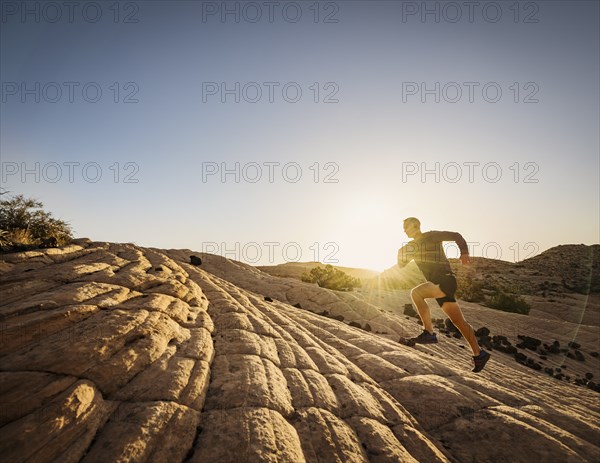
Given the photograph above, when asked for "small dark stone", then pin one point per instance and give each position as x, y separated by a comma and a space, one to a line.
589, 375
594, 386
268, 299
594, 354
487, 343
450, 326
554, 349
367, 327
482, 332
574, 345
195, 260
510, 350
409, 310
579, 356
521, 358
528, 342
354, 324
500, 339
297, 305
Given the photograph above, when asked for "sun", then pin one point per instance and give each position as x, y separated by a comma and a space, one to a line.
370, 233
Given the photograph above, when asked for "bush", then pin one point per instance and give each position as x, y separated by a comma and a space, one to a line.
509, 303
331, 278
25, 225
470, 290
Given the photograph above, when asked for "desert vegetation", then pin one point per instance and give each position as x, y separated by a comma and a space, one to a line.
24, 224
331, 278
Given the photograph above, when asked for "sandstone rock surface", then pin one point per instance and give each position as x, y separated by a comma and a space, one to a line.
117, 353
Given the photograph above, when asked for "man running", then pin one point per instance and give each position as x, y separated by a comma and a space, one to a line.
427, 251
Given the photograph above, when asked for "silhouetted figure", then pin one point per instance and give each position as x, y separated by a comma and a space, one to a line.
427, 252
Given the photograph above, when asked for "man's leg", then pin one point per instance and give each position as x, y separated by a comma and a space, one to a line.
418, 296
455, 314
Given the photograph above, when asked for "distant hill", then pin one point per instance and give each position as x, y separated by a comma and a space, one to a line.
569, 268
576, 265
296, 269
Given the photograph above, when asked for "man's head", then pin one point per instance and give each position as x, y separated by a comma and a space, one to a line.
412, 226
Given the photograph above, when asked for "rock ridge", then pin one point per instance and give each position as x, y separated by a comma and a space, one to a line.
114, 352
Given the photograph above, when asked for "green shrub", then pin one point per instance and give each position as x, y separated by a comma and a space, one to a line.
509, 303
25, 225
331, 278
470, 290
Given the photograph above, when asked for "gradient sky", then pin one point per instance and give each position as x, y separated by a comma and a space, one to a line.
366, 140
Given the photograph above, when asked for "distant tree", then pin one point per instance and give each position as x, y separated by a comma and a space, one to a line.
331, 278
25, 225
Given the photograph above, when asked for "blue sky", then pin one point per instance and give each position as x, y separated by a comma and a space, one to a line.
373, 130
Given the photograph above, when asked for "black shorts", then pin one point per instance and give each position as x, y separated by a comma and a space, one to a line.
448, 285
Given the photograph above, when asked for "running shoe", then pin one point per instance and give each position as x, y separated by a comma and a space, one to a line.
425, 338
480, 361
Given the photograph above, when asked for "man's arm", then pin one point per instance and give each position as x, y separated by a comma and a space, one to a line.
458, 239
